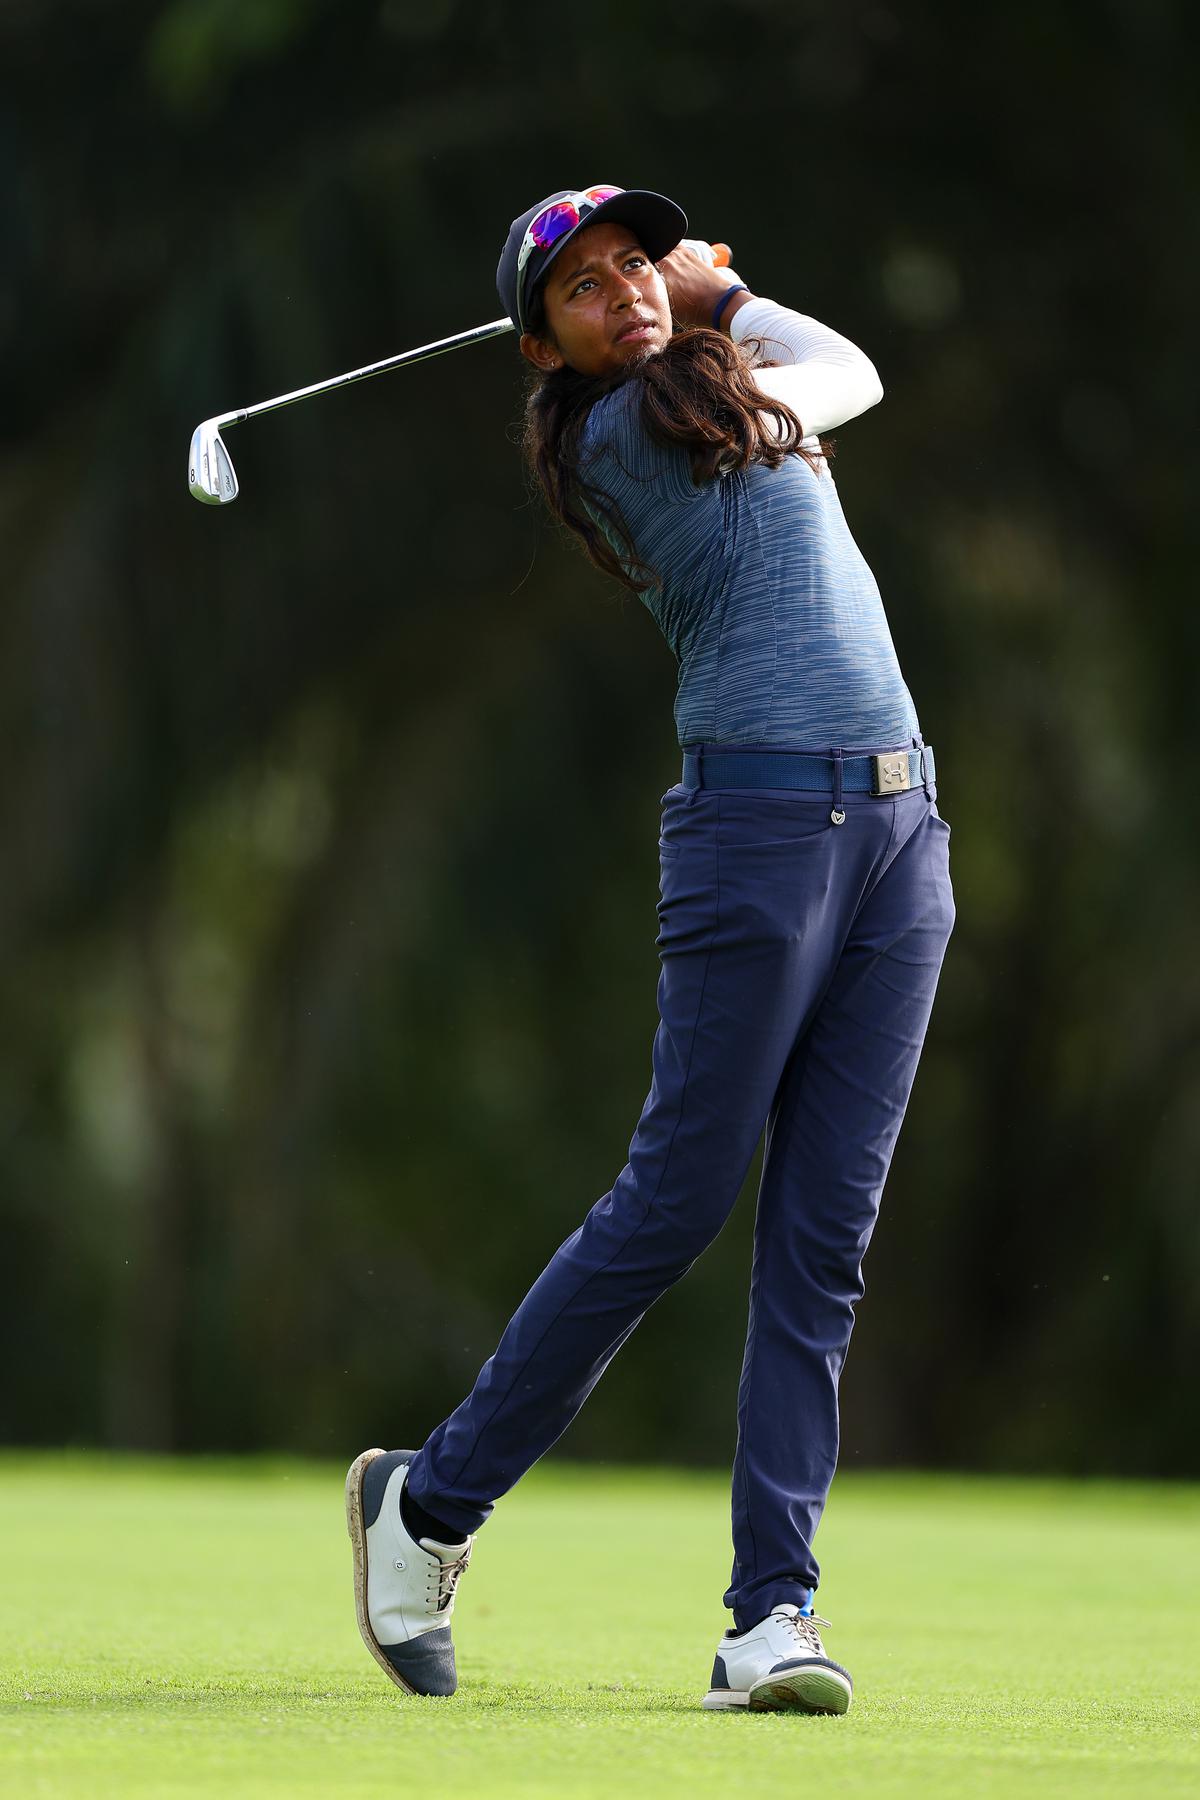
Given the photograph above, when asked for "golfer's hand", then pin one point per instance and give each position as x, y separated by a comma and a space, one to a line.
694, 284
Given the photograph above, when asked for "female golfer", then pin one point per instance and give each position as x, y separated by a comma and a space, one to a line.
674, 424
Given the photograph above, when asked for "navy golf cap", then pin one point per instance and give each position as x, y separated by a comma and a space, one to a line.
657, 221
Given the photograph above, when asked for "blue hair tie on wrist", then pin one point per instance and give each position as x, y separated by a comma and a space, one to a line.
740, 287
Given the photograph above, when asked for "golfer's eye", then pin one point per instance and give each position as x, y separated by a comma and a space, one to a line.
631, 262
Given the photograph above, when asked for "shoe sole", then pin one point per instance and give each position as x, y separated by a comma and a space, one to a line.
725, 1700
815, 1690
356, 1527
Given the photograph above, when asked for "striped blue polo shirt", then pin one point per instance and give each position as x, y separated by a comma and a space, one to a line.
773, 614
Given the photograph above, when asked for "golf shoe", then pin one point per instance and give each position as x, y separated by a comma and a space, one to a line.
403, 1587
779, 1665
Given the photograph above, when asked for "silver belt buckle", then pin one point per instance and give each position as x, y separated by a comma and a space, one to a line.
889, 773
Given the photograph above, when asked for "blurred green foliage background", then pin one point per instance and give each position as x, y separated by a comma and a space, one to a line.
328, 908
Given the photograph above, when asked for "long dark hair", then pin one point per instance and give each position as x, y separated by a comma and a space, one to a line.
697, 393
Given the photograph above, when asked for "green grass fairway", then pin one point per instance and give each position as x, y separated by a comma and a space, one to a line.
188, 1628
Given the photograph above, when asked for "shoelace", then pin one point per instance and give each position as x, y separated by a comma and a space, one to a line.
448, 1574
805, 1628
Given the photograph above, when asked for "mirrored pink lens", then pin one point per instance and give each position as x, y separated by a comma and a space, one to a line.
564, 216
554, 223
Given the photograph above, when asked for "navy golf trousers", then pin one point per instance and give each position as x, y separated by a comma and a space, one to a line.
799, 960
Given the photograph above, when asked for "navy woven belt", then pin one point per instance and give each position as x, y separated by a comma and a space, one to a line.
885, 772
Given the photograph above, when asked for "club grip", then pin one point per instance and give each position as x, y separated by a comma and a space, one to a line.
718, 255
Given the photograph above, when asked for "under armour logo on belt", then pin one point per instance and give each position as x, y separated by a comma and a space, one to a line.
891, 774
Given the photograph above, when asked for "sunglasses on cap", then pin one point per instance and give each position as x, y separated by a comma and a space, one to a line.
553, 223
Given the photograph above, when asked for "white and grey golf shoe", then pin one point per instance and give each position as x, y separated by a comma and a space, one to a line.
403, 1587
779, 1665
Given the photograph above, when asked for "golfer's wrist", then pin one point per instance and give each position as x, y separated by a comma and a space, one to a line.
731, 306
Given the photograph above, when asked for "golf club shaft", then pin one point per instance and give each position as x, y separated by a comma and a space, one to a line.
477, 335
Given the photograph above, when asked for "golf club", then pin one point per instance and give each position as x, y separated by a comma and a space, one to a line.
211, 475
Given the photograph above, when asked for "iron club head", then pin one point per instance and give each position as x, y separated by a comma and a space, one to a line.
211, 475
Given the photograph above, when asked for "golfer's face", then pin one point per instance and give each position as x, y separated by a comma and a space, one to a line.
606, 303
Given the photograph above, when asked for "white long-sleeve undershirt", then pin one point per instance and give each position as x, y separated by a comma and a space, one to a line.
822, 376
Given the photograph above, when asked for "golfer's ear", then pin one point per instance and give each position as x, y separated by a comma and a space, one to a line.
541, 352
